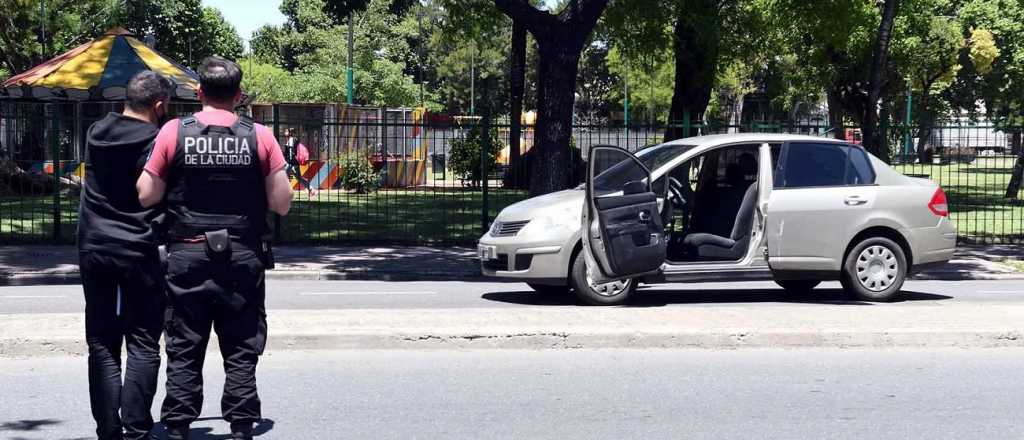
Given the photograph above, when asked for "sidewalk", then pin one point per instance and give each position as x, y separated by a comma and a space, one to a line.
59, 264
919, 324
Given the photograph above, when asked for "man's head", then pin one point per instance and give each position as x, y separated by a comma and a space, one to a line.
147, 95
220, 82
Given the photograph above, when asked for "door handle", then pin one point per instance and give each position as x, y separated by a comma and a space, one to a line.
645, 217
854, 201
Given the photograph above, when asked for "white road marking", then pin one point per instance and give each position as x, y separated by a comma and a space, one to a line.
367, 293
30, 296
1001, 291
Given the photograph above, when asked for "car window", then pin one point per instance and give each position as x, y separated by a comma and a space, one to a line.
808, 164
859, 171
736, 165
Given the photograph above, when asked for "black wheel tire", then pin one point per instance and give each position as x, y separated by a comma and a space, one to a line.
548, 290
798, 287
578, 279
851, 282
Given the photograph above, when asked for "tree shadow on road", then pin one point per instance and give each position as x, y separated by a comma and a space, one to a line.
27, 425
206, 433
662, 297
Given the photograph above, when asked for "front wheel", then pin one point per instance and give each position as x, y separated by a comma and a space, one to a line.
874, 270
598, 294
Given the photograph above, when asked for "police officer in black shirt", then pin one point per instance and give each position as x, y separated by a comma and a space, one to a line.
119, 263
220, 174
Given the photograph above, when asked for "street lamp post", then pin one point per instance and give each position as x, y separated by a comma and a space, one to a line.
472, 82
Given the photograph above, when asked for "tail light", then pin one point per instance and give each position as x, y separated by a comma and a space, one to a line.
938, 204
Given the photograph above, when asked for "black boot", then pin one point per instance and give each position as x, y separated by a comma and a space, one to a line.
177, 432
241, 431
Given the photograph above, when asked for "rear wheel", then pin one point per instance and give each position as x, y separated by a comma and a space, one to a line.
598, 294
798, 287
548, 290
875, 269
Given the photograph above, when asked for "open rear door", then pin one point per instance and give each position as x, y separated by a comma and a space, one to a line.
623, 231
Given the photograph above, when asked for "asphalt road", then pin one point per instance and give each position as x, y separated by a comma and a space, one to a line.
610, 394
320, 295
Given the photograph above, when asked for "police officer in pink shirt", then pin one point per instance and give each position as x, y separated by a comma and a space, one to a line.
220, 175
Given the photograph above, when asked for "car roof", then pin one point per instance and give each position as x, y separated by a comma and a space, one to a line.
712, 140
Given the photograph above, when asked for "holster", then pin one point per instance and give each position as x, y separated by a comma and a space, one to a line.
266, 253
218, 245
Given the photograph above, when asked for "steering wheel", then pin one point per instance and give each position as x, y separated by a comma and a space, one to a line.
675, 188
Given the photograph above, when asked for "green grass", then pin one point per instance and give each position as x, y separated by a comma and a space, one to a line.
976, 197
449, 215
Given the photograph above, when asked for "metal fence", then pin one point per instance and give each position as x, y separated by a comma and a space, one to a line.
418, 194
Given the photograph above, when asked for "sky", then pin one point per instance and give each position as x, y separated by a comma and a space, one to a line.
256, 13
249, 15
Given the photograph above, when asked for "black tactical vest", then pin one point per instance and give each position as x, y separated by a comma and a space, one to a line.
216, 181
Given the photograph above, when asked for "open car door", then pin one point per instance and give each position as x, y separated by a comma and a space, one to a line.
623, 231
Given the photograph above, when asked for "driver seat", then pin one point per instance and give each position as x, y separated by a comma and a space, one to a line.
710, 247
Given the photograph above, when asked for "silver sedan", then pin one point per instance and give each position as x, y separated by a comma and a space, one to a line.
795, 209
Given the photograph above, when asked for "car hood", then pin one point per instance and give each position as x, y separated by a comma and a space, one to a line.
569, 201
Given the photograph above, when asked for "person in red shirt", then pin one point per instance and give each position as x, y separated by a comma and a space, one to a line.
220, 174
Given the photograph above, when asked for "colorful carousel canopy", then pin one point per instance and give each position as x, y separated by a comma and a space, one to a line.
98, 71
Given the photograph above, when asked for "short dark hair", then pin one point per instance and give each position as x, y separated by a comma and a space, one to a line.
145, 89
219, 78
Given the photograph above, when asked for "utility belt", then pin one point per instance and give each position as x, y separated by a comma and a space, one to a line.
218, 246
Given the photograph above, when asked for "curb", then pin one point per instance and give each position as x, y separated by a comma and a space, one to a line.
48, 347
51, 278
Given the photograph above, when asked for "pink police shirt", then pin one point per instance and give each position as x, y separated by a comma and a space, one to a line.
271, 158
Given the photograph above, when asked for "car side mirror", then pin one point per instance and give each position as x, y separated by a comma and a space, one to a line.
634, 187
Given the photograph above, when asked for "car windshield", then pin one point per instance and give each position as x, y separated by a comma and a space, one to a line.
653, 157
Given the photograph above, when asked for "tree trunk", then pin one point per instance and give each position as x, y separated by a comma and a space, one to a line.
517, 77
835, 114
560, 39
695, 44
869, 128
556, 73
924, 130
1013, 188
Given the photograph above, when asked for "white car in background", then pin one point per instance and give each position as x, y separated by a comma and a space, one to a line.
739, 207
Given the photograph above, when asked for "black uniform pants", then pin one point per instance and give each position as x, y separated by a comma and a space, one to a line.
227, 295
124, 299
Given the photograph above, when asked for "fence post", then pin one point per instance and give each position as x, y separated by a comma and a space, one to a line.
55, 155
276, 115
485, 148
686, 123
906, 123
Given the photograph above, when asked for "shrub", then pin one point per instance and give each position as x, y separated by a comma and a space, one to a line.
464, 153
356, 172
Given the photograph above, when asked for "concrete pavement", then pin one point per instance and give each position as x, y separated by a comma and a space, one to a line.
47, 321
580, 394
20, 265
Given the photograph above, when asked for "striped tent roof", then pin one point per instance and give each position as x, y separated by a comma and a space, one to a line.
98, 71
